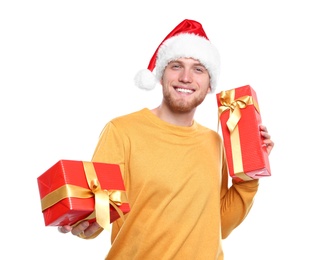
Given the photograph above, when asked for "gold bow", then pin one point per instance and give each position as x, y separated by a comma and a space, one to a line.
228, 101
102, 197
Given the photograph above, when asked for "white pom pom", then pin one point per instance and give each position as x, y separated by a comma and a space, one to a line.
145, 79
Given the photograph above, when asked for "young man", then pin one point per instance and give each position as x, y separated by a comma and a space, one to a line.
174, 169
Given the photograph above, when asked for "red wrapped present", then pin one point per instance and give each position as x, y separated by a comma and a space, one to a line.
73, 191
239, 117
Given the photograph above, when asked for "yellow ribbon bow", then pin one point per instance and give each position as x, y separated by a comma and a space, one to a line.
228, 101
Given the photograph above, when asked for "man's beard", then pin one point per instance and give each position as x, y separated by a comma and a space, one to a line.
182, 106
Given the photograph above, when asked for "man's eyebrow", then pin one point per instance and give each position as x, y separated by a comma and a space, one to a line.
174, 61
196, 63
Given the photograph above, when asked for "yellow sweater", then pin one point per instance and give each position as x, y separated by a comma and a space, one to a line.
177, 185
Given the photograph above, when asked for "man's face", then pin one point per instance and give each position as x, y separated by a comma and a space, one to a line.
185, 84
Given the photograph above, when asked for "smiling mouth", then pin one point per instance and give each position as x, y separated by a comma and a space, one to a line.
184, 90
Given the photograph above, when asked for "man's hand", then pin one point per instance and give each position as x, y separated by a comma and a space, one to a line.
266, 138
83, 229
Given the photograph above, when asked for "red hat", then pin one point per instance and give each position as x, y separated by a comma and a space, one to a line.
186, 40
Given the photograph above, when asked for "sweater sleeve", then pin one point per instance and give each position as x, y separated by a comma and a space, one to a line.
236, 202
110, 149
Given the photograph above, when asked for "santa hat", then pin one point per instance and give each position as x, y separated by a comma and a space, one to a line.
186, 40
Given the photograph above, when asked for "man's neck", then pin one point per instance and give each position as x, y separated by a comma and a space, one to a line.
175, 118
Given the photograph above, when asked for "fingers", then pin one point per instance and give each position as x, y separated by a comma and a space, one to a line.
91, 230
266, 138
80, 228
86, 229
64, 229
263, 129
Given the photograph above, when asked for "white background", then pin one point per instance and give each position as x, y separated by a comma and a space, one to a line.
67, 67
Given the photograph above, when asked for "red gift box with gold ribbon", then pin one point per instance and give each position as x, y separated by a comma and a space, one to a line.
73, 191
239, 117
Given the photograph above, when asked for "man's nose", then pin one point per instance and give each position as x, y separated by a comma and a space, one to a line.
185, 76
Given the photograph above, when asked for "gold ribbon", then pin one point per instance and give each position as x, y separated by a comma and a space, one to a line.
228, 102
102, 197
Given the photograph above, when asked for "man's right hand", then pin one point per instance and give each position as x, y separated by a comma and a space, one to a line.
83, 229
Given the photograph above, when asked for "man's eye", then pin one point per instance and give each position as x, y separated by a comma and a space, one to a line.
199, 69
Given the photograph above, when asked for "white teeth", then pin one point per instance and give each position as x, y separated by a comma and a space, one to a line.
184, 90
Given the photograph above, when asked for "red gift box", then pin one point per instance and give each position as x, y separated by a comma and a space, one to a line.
239, 117
72, 191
